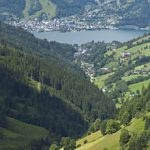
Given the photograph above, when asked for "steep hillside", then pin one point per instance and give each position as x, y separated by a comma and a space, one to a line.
24, 40
18, 135
96, 141
37, 87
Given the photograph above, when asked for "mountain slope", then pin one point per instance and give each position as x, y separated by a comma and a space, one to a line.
111, 141
44, 90
45, 9
120, 69
118, 13
134, 118
135, 12
18, 135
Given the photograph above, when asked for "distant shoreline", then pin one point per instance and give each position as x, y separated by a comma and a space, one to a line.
106, 35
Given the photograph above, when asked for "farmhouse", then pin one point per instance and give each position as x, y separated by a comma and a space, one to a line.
125, 54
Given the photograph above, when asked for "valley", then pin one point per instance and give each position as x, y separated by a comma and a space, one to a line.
117, 68
74, 75
40, 88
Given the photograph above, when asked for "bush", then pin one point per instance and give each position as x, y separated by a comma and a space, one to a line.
94, 126
79, 145
54, 147
67, 143
124, 137
147, 123
85, 141
112, 127
103, 127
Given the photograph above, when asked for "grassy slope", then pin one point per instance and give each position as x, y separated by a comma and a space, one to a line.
99, 81
139, 85
90, 138
111, 142
136, 50
20, 134
47, 7
25, 11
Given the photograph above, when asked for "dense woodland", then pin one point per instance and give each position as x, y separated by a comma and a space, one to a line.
39, 88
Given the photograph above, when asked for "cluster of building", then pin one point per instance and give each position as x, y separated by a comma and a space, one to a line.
86, 21
72, 23
142, 71
88, 69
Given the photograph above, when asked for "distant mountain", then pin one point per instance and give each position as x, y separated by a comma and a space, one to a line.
120, 13
135, 13
110, 12
47, 9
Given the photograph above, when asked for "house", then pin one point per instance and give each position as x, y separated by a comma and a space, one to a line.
105, 69
126, 54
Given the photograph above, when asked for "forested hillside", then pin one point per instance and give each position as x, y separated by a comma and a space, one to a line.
39, 88
135, 13
25, 41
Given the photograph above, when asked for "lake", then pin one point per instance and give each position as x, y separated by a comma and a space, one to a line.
106, 35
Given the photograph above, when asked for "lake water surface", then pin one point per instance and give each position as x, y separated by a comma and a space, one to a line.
87, 36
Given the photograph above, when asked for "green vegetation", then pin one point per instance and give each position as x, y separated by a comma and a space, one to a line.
128, 83
46, 8
90, 138
139, 86
124, 137
94, 126
42, 9
67, 143
112, 141
46, 101
20, 134
40, 87
100, 80
121, 69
